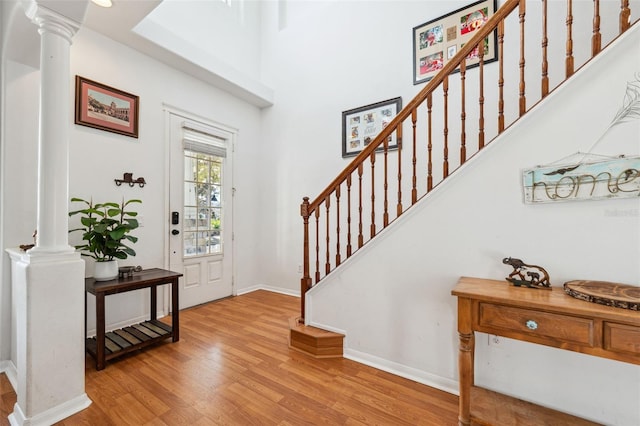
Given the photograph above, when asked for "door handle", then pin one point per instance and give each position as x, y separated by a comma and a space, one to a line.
175, 232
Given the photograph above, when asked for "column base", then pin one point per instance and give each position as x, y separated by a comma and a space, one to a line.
52, 415
48, 303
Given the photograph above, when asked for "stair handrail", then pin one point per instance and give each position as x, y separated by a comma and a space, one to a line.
307, 207
494, 23
486, 29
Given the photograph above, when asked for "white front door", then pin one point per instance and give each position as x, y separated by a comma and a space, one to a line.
200, 203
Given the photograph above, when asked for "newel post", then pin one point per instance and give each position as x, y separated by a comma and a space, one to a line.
305, 282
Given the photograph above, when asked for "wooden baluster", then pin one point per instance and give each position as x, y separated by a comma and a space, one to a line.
596, 39
625, 15
399, 139
327, 265
501, 77
385, 215
305, 281
445, 131
544, 88
463, 113
349, 216
414, 160
596, 45
569, 59
429, 143
481, 98
317, 244
373, 195
360, 236
338, 226
523, 100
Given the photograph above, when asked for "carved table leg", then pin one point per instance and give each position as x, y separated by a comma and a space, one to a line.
465, 360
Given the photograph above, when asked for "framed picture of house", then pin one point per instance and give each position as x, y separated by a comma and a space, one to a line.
361, 125
436, 42
106, 108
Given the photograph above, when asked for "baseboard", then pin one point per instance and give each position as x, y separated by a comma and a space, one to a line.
7, 367
327, 327
285, 291
52, 415
431, 380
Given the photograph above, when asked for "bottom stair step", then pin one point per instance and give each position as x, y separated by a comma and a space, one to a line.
314, 341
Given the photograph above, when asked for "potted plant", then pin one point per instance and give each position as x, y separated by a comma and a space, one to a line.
106, 231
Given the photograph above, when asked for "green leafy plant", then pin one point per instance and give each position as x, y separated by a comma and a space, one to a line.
105, 229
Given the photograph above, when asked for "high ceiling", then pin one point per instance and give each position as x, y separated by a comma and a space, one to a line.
125, 22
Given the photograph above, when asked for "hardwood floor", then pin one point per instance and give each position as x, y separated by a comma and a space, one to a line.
232, 366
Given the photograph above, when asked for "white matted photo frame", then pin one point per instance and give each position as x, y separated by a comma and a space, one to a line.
361, 125
437, 41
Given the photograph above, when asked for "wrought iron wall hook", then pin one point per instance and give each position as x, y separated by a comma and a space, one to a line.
128, 178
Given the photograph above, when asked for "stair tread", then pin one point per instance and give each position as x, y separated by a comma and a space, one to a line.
310, 330
314, 341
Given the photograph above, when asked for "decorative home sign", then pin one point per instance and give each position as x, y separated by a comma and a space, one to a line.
608, 178
105, 108
437, 41
590, 176
361, 125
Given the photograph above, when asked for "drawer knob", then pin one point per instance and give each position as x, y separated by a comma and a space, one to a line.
531, 325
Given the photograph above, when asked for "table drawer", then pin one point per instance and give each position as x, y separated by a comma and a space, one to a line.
540, 324
621, 338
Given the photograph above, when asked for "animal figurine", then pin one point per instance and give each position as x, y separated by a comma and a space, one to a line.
525, 275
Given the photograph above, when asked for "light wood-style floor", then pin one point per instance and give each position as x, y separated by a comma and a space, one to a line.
232, 366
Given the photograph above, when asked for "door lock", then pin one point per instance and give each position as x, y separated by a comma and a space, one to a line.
175, 232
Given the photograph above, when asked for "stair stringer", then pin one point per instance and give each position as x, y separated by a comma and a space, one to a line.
392, 298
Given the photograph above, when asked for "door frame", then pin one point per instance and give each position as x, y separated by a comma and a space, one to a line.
168, 111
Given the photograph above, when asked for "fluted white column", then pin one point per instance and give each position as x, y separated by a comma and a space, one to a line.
56, 32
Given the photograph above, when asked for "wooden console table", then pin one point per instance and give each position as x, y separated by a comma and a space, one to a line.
106, 346
548, 317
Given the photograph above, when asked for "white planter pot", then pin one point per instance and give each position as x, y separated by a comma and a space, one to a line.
105, 271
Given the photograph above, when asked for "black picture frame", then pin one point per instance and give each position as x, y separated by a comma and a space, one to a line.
437, 41
361, 125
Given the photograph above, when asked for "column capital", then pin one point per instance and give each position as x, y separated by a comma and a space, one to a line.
50, 21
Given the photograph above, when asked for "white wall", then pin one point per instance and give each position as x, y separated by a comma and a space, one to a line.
339, 56
20, 85
394, 302
20, 171
230, 31
98, 157
342, 55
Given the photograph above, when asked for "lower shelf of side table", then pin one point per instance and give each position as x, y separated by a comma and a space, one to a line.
492, 408
129, 339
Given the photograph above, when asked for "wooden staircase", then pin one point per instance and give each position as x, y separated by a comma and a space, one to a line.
314, 341
448, 122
